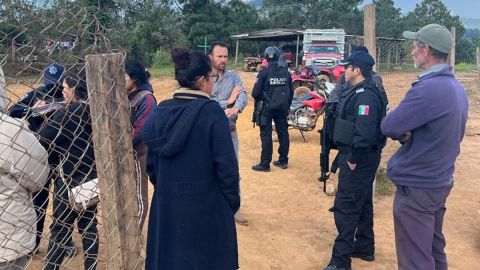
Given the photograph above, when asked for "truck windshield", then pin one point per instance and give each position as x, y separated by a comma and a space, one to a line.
324, 49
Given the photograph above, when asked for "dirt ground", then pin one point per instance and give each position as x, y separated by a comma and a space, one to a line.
290, 226
289, 223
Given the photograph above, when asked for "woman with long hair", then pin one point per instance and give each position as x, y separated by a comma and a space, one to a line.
68, 137
142, 103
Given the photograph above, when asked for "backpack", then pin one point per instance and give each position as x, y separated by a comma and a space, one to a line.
278, 94
135, 102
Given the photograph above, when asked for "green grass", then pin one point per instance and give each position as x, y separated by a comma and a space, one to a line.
161, 71
384, 186
462, 67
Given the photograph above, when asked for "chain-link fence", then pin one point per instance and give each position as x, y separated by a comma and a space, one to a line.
68, 174
395, 65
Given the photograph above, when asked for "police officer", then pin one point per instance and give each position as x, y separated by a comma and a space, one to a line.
48, 93
357, 135
273, 95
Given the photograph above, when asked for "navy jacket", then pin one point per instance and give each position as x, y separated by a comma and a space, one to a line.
192, 165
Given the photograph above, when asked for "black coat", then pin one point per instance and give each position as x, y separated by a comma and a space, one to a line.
192, 165
67, 136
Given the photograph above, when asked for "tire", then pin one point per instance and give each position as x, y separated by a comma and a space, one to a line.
323, 77
301, 91
245, 67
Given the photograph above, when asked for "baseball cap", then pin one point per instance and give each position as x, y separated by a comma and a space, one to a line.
53, 73
360, 59
437, 37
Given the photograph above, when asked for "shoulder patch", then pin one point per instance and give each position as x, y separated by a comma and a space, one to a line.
363, 109
361, 90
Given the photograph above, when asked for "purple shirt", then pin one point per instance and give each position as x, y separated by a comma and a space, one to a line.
435, 111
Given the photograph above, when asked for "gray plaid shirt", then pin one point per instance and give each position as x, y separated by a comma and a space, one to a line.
222, 90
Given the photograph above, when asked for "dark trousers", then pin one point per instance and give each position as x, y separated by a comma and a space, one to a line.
418, 220
281, 126
61, 230
40, 202
353, 209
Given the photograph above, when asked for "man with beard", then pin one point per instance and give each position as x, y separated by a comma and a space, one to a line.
228, 91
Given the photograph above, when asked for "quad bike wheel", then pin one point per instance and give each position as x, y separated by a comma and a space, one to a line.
301, 91
245, 67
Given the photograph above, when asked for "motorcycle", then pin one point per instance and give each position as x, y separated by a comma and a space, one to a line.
307, 76
307, 107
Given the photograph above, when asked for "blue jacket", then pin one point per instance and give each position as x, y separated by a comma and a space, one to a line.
192, 165
435, 111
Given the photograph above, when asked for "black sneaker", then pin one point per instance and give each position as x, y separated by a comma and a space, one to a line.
367, 258
260, 168
279, 164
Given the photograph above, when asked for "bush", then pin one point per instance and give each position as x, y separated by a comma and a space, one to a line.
162, 58
384, 186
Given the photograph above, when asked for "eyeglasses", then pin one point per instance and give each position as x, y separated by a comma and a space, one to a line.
214, 76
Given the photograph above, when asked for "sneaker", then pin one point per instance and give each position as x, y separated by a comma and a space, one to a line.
367, 258
280, 164
240, 219
260, 168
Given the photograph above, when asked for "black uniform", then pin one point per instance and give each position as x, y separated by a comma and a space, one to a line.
274, 78
360, 141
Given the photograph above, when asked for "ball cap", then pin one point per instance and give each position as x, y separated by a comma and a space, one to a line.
437, 37
53, 74
360, 59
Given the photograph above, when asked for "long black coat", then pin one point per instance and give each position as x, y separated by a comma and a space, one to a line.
192, 165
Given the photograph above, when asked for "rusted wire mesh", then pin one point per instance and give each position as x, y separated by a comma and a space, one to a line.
52, 148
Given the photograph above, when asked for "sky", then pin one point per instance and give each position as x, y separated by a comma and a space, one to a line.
462, 8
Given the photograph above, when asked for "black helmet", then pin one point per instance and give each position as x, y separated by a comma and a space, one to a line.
272, 53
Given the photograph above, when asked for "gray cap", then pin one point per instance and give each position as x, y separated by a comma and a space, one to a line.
437, 37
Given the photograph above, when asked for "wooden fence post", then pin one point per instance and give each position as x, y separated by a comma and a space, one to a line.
478, 66
109, 108
453, 31
369, 33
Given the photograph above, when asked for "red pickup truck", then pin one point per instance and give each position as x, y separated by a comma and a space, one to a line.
325, 57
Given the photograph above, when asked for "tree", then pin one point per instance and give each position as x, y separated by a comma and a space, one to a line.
388, 19
433, 11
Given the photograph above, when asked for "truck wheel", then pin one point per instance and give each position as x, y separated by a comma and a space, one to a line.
301, 91
245, 67
323, 78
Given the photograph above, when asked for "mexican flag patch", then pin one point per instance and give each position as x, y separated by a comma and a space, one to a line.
363, 110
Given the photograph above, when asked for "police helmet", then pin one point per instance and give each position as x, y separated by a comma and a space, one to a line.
272, 53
